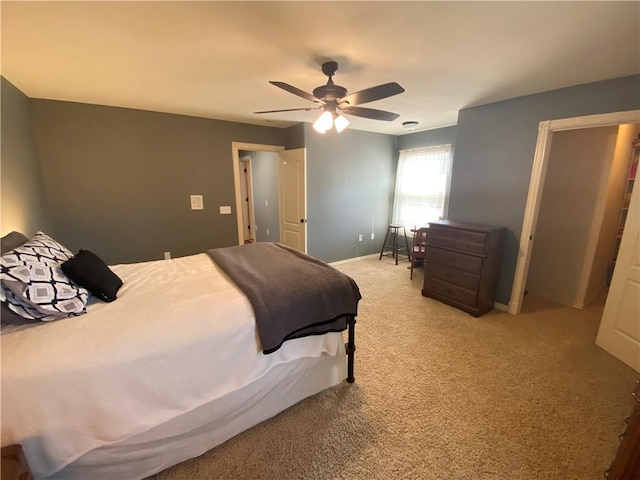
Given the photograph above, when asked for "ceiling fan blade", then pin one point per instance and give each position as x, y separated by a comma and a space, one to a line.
374, 93
297, 91
308, 109
369, 113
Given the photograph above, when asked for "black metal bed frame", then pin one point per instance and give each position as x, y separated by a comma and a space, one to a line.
350, 347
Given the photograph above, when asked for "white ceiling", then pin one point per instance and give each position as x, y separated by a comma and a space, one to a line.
214, 59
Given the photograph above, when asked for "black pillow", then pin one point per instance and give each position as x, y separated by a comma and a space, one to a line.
89, 271
13, 240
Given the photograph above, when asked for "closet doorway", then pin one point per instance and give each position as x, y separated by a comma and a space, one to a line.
579, 210
536, 186
619, 331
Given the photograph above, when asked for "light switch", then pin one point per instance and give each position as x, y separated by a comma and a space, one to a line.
197, 202
225, 210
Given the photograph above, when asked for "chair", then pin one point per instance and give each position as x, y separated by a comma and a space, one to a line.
419, 248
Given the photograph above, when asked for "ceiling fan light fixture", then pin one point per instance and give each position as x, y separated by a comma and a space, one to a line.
340, 123
323, 123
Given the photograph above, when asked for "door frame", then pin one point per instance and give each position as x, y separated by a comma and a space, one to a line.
536, 186
235, 158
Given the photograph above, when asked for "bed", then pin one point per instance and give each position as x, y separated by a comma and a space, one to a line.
172, 368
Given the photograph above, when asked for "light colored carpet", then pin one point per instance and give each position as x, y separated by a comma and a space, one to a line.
443, 395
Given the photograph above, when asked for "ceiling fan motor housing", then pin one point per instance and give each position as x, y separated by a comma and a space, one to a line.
330, 92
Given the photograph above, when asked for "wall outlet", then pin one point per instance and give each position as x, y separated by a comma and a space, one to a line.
167, 255
225, 210
267, 232
197, 202
372, 236
359, 238
266, 203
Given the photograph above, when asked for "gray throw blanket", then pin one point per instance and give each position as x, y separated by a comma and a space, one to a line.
293, 295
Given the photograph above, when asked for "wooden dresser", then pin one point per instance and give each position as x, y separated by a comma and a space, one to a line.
462, 263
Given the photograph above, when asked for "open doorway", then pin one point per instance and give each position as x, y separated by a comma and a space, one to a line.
537, 184
271, 194
578, 215
260, 196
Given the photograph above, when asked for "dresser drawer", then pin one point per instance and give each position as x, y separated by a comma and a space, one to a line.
471, 241
456, 260
472, 237
469, 246
441, 231
451, 275
454, 292
440, 241
474, 242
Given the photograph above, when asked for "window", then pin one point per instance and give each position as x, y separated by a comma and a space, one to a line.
422, 186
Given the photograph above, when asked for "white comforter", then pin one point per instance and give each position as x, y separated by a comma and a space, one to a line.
179, 335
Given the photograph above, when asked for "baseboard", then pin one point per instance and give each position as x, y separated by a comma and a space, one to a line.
501, 306
354, 259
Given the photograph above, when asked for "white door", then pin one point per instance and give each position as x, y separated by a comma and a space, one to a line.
619, 332
293, 199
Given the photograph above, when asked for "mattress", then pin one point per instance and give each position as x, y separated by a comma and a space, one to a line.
180, 336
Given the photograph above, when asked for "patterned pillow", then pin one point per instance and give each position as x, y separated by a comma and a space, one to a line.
12, 240
34, 285
40, 249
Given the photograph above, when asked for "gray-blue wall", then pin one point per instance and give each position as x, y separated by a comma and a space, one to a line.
24, 204
494, 150
428, 138
264, 171
350, 181
118, 180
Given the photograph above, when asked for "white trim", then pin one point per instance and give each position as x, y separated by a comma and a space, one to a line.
536, 185
590, 121
354, 259
235, 159
501, 306
534, 196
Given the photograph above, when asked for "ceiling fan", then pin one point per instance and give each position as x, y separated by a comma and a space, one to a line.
334, 100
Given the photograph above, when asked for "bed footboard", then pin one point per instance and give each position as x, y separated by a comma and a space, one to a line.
350, 347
